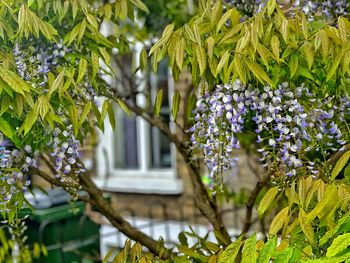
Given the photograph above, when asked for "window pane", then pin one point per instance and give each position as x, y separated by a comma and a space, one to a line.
160, 145
125, 142
160, 149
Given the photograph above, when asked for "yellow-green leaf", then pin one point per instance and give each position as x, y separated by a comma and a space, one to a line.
271, 5
339, 244
201, 58
334, 65
267, 200
340, 164
123, 106
223, 61
143, 59
267, 251
6, 128
223, 19
304, 26
275, 46
293, 65
210, 44
111, 115
81, 69
259, 73
175, 104
279, 221
85, 113
216, 13
230, 253
284, 29
73, 114
306, 227
158, 102
180, 52
249, 250
139, 4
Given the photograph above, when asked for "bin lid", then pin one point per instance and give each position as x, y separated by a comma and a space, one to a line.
57, 213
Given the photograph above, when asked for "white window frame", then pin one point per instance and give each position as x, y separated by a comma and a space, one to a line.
144, 179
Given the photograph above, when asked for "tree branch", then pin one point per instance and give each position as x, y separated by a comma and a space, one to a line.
250, 204
96, 199
202, 199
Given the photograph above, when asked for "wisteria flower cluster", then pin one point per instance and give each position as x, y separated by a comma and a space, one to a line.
35, 61
15, 166
247, 7
65, 152
295, 131
327, 9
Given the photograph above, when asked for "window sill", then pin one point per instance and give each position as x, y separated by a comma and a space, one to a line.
140, 185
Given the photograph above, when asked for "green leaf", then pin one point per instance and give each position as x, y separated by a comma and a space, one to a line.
223, 61
340, 164
16, 83
57, 84
334, 65
201, 58
304, 26
191, 253
267, 251
73, 114
191, 102
180, 52
85, 113
175, 104
345, 218
216, 13
271, 5
275, 46
306, 227
165, 37
111, 115
6, 128
108, 255
158, 102
5, 104
223, 19
284, 29
81, 69
259, 73
249, 250
338, 245
230, 253
44, 250
105, 55
267, 200
309, 54
107, 9
139, 4
95, 64
123, 9
123, 106
284, 256
293, 65
210, 44
143, 59
279, 221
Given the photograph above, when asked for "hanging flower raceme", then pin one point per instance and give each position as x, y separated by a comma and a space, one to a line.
15, 166
64, 151
328, 10
34, 61
296, 132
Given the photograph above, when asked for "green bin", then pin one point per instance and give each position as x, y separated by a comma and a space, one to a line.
67, 233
